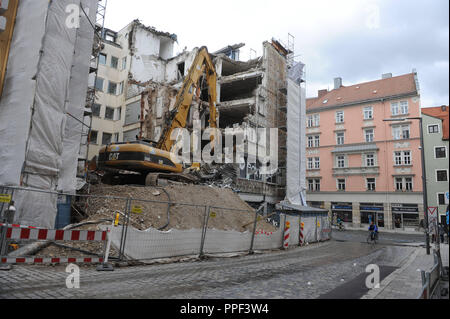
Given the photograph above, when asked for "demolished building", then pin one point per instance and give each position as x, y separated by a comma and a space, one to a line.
251, 94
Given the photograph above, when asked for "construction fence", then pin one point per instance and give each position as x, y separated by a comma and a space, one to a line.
200, 231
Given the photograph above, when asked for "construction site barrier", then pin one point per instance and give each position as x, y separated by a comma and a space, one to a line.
209, 235
19, 233
431, 281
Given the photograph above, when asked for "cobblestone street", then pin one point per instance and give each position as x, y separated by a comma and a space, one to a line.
304, 273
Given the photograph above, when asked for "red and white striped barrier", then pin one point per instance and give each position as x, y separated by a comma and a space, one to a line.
18, 226
302, 236
287, 235
20, 232
26, 233
36, 260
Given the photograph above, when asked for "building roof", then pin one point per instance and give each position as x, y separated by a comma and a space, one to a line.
383, 88
440, 112
229, 48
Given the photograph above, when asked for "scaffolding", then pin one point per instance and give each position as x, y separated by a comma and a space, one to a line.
99, 26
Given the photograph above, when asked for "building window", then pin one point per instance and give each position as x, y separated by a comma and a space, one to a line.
432, 129
398, 158
112, 88
317, 141
409, 184
102, 58
314, 185
440, 152
124, 63
399, 184
99, 84
395, 109
441, 199
371, 184
310, 141
407, 157
93, 137
310, 185
402, 158
317, 162
96, 109
370, 160
313, 141
400, 108
313, 120
109, 113
340, 138
114, 62
341, 184
340, 117
317, 185
400, 132
106, 138
341, 161
314, 163
404, 108
120, 88
442, 175
369, 134
368, 113
116, 138
404, 183
310, 163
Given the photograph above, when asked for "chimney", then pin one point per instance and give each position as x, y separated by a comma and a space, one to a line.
323, 93
337, 83
386, 76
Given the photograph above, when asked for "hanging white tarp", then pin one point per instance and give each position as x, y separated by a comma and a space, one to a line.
296, 144
76, 100
43, 69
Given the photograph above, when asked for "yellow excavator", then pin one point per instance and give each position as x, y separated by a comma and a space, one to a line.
153, 161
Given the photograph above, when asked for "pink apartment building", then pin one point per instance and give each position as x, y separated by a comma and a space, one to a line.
360, 167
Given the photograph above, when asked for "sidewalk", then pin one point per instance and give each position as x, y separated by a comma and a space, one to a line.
406, 282
392, 231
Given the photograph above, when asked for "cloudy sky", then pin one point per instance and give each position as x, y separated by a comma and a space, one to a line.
357, 40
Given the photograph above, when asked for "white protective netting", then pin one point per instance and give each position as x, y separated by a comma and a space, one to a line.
47, 76
296, 145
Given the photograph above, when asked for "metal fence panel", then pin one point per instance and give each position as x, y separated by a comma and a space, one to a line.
310, 228
221, 234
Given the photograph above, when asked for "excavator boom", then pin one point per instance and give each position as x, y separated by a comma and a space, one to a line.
150, 161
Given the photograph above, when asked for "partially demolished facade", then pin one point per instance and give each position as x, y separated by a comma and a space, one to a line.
251, 94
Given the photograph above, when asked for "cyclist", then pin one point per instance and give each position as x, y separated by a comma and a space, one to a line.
340, 223
374, 231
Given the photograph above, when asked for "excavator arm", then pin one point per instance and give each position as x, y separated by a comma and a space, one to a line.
202, 65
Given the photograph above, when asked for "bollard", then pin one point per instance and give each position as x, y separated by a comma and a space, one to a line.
105, 266
287, 235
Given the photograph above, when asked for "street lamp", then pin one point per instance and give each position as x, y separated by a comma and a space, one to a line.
424, 177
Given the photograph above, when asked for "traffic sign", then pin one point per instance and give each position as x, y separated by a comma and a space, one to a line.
5, 198
432, 211
137, 209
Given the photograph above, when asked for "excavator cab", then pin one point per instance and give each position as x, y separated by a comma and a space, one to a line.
153, 160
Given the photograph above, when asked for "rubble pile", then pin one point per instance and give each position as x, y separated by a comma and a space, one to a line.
187, 207
151, 205
221, 176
